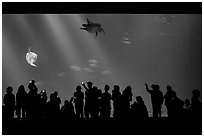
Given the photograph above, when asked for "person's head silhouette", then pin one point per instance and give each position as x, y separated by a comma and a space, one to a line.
128, 88
9, 90
157, 87
169, 88
196, 93
95, 88
106, 88
187, 102
66, 102
153, 86
52, 96
139, 99
55, 93
78, 88
116, 87
21, 88
89, 84
32, 81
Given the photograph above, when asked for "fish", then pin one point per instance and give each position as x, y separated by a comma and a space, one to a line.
31, 57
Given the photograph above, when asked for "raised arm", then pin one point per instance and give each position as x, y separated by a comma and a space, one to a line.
147, 88
83, 84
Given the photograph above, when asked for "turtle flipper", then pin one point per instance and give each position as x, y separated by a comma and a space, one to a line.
84, 25
96, 34
87, 20
84, 28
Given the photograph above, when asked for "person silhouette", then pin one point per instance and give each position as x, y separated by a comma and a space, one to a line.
32, 108
141, 108
51, 108
32, 87
43, 101
196, 105
168, 97
9, 102
98, 102
187, 104
176, 107
71, 108
187, 108
95, 95
79, 102
57, 101
38, 107
105, 103
116, 97
156, 99
67, 110
134, 111
21, 102
87, 107
126, 98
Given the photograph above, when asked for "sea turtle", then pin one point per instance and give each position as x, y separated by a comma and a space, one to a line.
92, 27
31, 57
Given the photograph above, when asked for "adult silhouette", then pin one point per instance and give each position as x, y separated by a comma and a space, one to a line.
57, 102
9, 102
141, 108
79, 102
38, 107
126, 98
196, 105
32, 87
187, 108
32, 108
168, 97
134, 111
98, 102
43, 101
67, 110
21, 102
187, 104
176, 107
105, 103
116, 97
156, 99
87, 107
94, 102
51, 108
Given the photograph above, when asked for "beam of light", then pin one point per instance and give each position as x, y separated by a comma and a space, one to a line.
65, 44
95, 47
12, 67
33, 41
28, 38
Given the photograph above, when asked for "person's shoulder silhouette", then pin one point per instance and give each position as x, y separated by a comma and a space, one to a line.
21, 102
9, 98
196, 105
9, 102
78, 94
141, 107
21, 94
32, 87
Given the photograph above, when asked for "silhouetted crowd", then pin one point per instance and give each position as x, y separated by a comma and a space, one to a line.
96, 104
